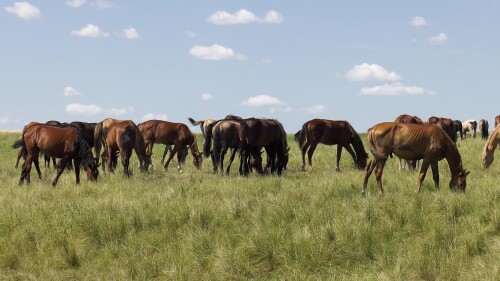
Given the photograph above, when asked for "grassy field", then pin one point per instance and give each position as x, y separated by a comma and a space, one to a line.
200, 226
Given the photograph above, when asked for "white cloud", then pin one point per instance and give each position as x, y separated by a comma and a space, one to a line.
75, 3
4, 120
418, 21
206, 97
439, 39
24, 10
151, 116
70, 92
101, 4
90, 31
131, 33
244, 16
262, 100
190, 34
318, 108
81, 109
395, 89
215, 52
367, 72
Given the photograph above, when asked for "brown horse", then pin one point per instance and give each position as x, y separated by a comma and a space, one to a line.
100, 133
497, 121
432, 120
458, 127
484, 127
414, 142
225, 134
448, 127
330, 132
405, 118
125, 136
490, 147
66, 143
169, 133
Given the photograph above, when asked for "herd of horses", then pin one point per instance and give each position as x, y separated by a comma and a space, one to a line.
408, 137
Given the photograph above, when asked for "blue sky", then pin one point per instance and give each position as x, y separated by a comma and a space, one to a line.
361, 61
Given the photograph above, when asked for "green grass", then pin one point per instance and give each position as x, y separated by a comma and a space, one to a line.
200, 226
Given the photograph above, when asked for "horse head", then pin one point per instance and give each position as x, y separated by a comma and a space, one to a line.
487, 158
197, 159
91, 168
460, 182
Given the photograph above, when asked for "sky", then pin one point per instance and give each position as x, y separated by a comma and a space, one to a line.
362, 61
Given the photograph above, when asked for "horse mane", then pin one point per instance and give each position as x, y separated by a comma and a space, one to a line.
357, 144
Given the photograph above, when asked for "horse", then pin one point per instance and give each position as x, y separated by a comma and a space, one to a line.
405, 118
432, 120
490, 147
330, 132
414, 142
447, 125
66, 143
469, 126
125, 136
258, 133
458, 128
225, 134
169, 133
100, 133
484, 127
497, 121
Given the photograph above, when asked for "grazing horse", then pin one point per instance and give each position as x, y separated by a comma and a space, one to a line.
414, 142
447, 125
432, 120
490, 147
484, 126
458, 128
169, 133
258, 133
225, 134
331, 132
469, 126
123, 137
100, 133
405, 118
497, 121
66, 143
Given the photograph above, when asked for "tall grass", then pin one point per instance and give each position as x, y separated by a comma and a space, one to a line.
303, 225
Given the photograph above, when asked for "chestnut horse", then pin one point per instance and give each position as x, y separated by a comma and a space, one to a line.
405, 118
123, 137
497, 121
484, 126
169, 133
331, 132
414, 142
66, 143
490, 147
469, 126
100, 133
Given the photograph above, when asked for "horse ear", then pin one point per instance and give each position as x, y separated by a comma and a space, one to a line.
466, 173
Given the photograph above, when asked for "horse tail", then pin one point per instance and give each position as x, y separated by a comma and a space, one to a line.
18, 144
194, 122
302, 137
98, 140
208, 140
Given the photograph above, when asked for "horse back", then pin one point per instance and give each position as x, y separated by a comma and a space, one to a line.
329, 132
53, 141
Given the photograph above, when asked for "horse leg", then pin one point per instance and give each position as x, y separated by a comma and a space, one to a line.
233, 154
368, 171
304, 150
19, 155
124, 154
172, 154
435, 174
222, 154
167, 149
378, 175
77, 170
26, 169
111, 160
37, 167
423, 172
310, 153
62, 165
179, 159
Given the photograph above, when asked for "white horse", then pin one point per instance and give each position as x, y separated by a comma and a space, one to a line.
469, 126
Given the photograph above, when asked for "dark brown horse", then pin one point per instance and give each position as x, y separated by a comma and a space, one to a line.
66, 143
432, 120
169, 133
490, 147
484, 126
123, 137
458, 128
448, 127
225, 135
414, 142
405, 118
330, 132
497, 121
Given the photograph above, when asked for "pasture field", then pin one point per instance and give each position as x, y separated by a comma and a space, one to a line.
200, 226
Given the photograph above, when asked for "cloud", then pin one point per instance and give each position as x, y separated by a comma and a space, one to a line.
24, 10
190, 34
75, 3
81, 109
215, 52
131, 33
262, 100
151, 116
318, 108
395, 89
70, 92
367, 72
90, 31
4, 120
244, 16
206, 97
101, 4
439, 39
418, 21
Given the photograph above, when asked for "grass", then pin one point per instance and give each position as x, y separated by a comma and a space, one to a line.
200, 226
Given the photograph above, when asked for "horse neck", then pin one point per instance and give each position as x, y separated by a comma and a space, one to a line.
358, 145
453, 157
492, 142
194, 147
